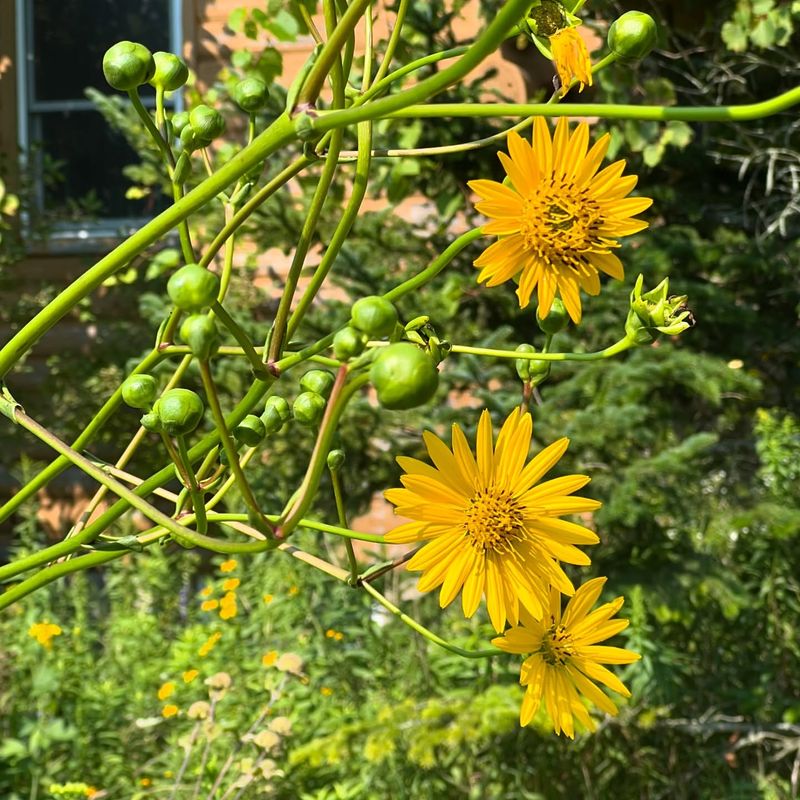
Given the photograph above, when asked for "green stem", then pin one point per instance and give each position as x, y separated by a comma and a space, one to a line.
228, 444
394, 40
247, 346
342, 229
198, 501
276, 136
422, 630
252, 204
736, 113
330, 53
155, 134
340, 396
436, 266
615, 349
57, 466
341, 514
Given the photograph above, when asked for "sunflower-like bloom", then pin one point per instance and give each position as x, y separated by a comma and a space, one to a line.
491, 529
559, 220
565, 659
571, 58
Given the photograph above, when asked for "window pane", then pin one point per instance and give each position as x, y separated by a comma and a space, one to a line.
93, 157
71, 36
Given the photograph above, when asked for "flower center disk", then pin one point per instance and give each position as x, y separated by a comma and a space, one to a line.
493, 519
557, 646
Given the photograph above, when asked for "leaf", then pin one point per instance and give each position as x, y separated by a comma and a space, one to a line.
236, 19
283, 26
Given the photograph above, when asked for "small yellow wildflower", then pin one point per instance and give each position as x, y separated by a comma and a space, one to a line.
91, 791
565, 658
145, 782
44, 632
169, 711
571, 58
227, 605
330, 633
326, 691
267, 598
190, 675
339, 636
207, 591
293, 590
209, 605
268, 659
231, 584
167, 690
209, 644
228, 566
169, 773
491, 528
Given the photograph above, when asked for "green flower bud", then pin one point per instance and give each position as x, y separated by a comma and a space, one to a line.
200, 333
404, 376
250, 431
280, 405
336, 459
193, 288
556, 320
170, 73
632, 36
530, 369
139, 391
127, 65
179, 411
207, 123
317, 380
180, 121
183, 168
308, 408
653, 313
151, 422
250, 95
189, 140
348, 343
272, 421
374, 315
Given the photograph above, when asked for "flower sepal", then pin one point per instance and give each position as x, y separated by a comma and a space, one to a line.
654, 313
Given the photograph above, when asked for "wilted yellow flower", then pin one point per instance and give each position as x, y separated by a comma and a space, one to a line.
228, 566
219, 680
166, 690
571, 58
231, 584
209, 605
266, 740
565, 658
190, 675
269, 658
44, 632
169, 711
281, 725
558, 222
290, 662
492, 529
198, 710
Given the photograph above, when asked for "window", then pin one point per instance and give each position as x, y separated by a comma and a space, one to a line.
72, 154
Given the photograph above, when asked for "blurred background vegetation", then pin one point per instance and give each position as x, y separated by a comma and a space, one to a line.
693, 446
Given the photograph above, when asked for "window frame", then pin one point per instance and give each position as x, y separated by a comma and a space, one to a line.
73, 237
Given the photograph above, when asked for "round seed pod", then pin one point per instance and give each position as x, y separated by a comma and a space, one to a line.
170, 73
632, 36
179, 411
139, 391
250, 95
374, 315
127, 65
200, 333
193, 288
404, 376
317, 380
308, 408
207, 123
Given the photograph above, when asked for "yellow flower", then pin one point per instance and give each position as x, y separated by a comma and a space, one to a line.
44, 632
492, 530
209, 605
559, 220
231, 584
145, 782
268, 659
293, 590
339, 636
209, 644
228, 607
167, 689
190, 675
169, 711
326, 691
330, 633
228, 566
206, 591
571, 58
267, 598
565, 658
